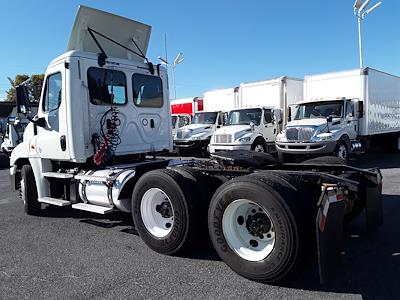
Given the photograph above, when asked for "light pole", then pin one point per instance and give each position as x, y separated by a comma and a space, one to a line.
178, 59
361, 11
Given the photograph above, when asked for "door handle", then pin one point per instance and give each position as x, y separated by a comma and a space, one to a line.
151, 123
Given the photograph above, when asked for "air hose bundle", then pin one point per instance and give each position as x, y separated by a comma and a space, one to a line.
110, 137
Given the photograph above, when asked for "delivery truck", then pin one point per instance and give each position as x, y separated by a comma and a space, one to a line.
259, 116
195, 138
182, 111
104, 106
343, 113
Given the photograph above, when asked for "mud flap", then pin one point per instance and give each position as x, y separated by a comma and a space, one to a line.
329, 227
374, 206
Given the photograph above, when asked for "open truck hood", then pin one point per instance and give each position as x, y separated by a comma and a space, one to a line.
119, 29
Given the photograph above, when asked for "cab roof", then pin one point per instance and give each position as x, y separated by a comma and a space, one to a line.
117, 28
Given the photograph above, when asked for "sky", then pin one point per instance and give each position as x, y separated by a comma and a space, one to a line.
224, 42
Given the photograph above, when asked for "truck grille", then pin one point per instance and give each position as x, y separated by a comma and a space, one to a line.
183, 134
223, 138
299, 133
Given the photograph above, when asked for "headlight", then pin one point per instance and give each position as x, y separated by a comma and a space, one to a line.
197, 137
244, 140
281, 137
322, 137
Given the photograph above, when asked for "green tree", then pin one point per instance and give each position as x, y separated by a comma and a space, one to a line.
34, 86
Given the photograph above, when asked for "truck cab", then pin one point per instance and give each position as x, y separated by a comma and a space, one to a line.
99, 101
196, 136
322, 126
14, 130
248, 129
178, 121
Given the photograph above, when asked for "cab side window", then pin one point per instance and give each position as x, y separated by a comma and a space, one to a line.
349, 109
53, 93
267, 116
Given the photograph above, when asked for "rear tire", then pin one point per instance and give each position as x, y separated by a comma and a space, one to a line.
164, 211
29, 191
245, 245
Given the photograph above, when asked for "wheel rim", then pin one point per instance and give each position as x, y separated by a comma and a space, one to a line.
248, 230
22, 190
342, 152
259, 148
156, 211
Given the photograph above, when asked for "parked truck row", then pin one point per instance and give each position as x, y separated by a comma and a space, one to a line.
336, 113
104, 106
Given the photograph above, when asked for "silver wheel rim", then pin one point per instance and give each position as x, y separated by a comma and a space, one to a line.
22, 190
342, 152
159, 224
259, 148
235, 226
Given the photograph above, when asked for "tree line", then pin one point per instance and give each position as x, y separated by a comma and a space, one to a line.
34, 86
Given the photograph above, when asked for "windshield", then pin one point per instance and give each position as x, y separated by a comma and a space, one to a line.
244, 117
174, 118
205, 118
320, 109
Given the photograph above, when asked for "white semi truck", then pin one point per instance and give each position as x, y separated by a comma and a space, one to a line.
259, 115
104, 105
342, 113
196, 136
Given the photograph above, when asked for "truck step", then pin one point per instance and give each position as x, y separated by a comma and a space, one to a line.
54, 201
92, 208
91, 178
58, 175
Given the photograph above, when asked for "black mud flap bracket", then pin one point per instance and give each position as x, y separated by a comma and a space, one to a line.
329, 227
373, 202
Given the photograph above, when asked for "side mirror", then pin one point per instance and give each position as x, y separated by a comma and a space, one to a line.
329, 119
360, 110
252, 125
22, 99
41, 122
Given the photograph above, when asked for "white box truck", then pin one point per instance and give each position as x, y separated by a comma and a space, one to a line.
13, 135
104, 106
182, 111
262, 108
343, 112
195, 138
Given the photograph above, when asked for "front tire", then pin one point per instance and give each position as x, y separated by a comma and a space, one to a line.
29, 191
342, 150
259, 145
256, 227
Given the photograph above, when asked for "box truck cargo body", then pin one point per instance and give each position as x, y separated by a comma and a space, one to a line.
343, 112
262, 107
196, 136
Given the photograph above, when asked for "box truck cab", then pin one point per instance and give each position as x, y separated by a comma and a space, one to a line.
178, 121
14, 130
366, 111
183, 110
196, 136
247, 129
262, 109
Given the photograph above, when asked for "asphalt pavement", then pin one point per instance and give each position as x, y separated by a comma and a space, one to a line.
77, 255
